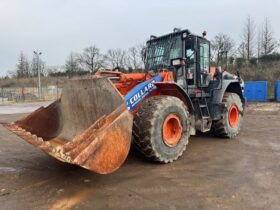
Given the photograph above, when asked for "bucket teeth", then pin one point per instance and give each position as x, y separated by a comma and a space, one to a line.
77, 143
87, 152
77, 150
87, 148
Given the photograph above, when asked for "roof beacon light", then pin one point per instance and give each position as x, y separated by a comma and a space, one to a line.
204, 33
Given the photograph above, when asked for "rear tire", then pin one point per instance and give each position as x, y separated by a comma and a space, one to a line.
161, 128
230, 123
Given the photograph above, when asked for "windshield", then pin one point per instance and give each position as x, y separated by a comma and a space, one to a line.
160, 52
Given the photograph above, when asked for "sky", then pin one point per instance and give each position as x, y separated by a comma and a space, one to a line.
58, 27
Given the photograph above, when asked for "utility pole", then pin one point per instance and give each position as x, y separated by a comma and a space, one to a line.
39, 73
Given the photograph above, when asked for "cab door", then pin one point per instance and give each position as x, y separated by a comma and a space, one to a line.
203, 62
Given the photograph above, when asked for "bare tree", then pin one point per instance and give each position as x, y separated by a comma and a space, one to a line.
91, 59
135, 57
222, 43
242, 50
22, 67
43, 68
72, 63
260, 41
116, 58
269, 44
36, 64
248, 37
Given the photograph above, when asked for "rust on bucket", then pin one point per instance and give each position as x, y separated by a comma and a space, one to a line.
89, 126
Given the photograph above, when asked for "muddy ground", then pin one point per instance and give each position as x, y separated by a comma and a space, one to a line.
212, 174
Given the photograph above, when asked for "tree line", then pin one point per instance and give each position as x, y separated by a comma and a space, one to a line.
257, 44
87, 62
91, 60
26, 68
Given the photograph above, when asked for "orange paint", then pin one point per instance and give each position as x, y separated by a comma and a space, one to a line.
172, 130
233, 116
124, 82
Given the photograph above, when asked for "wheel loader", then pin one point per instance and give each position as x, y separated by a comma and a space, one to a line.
97, 119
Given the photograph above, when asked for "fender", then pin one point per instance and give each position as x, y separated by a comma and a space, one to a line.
228, 86
135, 96
172, 89
155, 87
217, 107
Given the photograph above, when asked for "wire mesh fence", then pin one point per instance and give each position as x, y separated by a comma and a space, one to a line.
28, 94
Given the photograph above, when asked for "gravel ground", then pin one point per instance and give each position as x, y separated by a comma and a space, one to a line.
243, 173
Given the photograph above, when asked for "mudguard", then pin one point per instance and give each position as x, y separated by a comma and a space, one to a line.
228, 86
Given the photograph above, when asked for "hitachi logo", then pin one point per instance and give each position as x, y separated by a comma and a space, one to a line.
142, 93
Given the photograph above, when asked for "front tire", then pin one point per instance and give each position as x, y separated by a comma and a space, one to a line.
161, 128
231, 120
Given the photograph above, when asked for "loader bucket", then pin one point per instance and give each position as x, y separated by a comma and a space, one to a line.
89, 126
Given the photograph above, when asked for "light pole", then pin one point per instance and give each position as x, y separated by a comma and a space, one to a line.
39, 73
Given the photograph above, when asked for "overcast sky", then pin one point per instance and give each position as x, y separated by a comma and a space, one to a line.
58, 27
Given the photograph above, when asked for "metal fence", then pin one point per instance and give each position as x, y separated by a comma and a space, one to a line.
26, 94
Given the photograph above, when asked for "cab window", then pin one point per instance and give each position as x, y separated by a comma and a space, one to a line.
190, 55
204, 56
176, 49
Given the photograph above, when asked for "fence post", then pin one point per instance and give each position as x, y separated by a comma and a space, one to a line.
2, 94
22, 94
56, 90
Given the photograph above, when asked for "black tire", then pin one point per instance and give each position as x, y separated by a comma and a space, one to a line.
147, 128
223, 128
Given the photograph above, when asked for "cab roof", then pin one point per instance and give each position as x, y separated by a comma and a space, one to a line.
173, 34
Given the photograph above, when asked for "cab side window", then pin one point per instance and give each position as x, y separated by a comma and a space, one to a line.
204, 56
190, 54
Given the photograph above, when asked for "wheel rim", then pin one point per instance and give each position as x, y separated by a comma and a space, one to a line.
172, 130
233, 116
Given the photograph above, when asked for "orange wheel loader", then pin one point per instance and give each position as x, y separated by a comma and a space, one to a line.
96, 119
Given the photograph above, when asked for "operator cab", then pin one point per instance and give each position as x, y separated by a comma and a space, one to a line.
188, 55
198, 60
